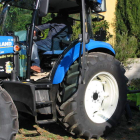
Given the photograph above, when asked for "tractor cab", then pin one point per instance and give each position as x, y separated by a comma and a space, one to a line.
19, 18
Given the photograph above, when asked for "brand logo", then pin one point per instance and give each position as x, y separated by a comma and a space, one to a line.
5, 43
2, 52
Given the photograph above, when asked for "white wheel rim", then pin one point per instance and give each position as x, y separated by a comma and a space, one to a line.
101, 97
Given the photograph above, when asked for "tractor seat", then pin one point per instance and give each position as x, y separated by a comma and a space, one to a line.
66, 41
56, 52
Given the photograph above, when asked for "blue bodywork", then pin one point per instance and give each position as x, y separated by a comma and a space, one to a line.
73, 54
99, 1
6, 44
6, 47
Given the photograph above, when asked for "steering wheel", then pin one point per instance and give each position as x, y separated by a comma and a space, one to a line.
42, 32
27, 26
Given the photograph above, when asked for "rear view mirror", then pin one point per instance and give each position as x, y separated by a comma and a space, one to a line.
43, 8
99, 6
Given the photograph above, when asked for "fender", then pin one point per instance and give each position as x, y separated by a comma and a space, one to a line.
72, 55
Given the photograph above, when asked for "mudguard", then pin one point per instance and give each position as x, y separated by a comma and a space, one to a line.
73, 54
6, 44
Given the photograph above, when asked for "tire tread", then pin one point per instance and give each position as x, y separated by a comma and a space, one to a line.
66, 106
14, 114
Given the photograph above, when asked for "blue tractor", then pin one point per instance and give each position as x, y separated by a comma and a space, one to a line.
83, 88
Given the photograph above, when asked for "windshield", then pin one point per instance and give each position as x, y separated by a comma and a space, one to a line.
26, 4
13, 19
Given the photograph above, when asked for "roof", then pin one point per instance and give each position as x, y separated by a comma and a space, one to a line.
54, 5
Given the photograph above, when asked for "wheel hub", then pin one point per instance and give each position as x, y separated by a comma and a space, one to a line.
95, 96
101, 97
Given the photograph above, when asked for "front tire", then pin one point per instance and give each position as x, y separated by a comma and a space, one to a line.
8, 117
94, 108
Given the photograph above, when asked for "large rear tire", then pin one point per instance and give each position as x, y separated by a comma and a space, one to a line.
94, 108
8, 117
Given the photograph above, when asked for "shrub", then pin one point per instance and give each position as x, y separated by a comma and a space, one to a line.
134, 85
96, 26
127, 17
127, 23
126, 46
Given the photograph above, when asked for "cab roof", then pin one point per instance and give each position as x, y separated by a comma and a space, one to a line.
54, 5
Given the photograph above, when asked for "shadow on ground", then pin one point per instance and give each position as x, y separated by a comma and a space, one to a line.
30, 130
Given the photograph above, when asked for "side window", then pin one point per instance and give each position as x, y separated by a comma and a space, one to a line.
16, 19
76, 25
75, 18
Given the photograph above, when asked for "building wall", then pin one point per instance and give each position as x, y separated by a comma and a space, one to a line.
110, 17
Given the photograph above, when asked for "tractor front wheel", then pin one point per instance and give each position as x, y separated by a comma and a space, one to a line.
94, 108
8, 117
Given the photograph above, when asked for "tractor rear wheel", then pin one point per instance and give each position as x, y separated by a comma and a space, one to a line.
94, 108
8, 117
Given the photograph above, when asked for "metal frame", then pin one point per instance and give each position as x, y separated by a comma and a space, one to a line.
31, 39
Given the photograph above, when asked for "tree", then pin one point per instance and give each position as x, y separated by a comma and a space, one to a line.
127, 17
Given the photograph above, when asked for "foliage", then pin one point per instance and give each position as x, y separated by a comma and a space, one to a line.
47, 18
128, 19
134, 85
76, 28
1, 7
16, 19
19, 18
126, 47
127, 26
97, 25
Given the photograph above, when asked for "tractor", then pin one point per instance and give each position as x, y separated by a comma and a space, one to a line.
82, 86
